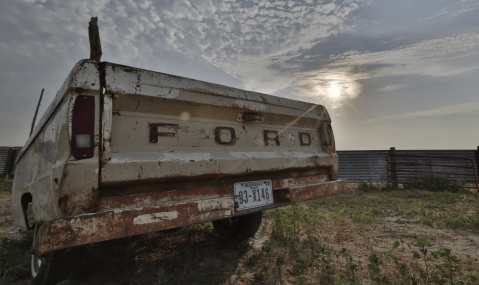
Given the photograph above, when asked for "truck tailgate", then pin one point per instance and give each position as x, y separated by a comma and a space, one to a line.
159, 127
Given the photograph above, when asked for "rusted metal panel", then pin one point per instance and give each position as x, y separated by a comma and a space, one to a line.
91, 228
147, 212
145, 195
153, 199
309, 192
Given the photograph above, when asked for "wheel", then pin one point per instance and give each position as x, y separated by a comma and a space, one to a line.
54, 266
238, 228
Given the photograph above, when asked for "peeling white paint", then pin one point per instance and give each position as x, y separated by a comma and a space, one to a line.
216, 204
106, 118
155, 217
162, 157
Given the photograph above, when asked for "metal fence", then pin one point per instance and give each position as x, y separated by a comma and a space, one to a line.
8, 156
370, 165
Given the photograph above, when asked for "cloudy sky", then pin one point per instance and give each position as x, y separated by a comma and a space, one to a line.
391, 73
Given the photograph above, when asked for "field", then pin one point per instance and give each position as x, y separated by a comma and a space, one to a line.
370, 235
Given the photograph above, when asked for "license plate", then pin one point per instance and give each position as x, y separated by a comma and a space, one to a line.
253, 194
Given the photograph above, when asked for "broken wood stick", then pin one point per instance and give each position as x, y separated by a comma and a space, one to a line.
94, 35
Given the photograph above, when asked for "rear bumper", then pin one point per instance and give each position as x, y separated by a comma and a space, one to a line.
84, 229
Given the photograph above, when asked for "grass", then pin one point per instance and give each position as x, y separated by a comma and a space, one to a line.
296, 229
15, 259
15, 254
5, 186
326, 241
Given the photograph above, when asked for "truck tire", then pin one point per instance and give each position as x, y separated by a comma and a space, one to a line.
240, 228
55, 266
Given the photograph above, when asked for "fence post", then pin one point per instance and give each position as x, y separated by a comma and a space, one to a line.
394, 160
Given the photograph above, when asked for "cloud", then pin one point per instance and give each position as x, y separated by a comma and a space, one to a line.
440, 57
458, 9
229, 35
394, 87
436, 57
226, 42
438, 112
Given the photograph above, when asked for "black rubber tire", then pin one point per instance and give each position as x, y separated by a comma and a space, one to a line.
54, 266
240, 228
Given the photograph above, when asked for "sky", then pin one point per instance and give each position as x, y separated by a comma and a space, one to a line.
401, 74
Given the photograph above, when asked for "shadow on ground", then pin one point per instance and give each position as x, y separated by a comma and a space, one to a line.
190, 256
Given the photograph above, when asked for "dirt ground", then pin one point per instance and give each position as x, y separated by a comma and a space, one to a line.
195, 255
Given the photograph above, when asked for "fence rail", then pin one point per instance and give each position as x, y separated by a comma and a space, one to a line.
399, 168
371, 165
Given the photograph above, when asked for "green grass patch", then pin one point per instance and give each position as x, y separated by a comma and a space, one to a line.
15, 259
299, 250
435, 183
5, 186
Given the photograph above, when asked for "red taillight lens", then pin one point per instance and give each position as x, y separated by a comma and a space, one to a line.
83, 127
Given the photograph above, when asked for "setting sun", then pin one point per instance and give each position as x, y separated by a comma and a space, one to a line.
334, 90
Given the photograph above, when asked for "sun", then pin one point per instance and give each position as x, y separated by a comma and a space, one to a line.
334, 91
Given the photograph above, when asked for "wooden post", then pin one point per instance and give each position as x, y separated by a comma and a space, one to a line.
94, 36
394, 160
36, 112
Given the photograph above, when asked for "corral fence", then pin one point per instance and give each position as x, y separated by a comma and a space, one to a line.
8, 155
401, 166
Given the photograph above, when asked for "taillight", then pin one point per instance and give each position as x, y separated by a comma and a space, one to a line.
83, 127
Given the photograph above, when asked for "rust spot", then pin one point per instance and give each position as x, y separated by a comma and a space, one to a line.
64, 205
86, 229
79, 204
116, 113
171, 196
112, 224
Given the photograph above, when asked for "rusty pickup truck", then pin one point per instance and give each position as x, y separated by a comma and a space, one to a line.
123, 151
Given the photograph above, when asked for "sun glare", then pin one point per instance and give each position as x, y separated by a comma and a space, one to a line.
334, 90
